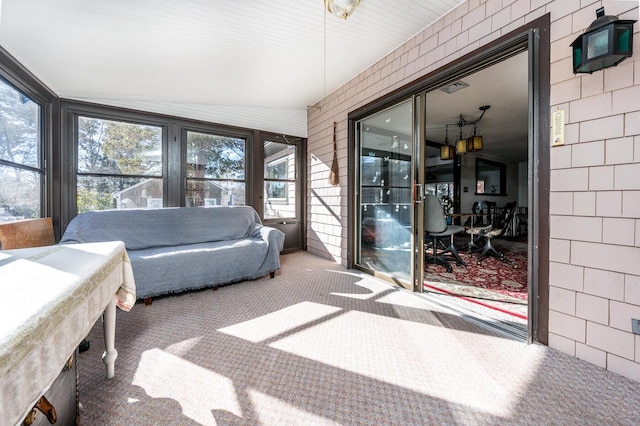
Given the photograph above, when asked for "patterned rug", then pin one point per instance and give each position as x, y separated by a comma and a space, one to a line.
492, 283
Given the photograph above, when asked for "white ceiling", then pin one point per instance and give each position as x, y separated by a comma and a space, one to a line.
256, 64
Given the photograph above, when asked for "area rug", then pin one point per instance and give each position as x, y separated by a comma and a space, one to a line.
491, 283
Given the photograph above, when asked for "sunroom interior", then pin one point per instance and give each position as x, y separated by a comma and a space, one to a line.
84, 103
201, 104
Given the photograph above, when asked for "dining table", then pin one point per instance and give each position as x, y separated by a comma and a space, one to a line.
53, 295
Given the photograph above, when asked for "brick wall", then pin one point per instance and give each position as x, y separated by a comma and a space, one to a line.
595, 177
595, 202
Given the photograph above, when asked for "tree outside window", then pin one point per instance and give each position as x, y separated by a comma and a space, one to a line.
21, 170
119, 165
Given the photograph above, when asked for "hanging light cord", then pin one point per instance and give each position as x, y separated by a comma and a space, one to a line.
324, 57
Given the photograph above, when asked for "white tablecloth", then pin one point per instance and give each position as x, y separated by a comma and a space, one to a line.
52, 297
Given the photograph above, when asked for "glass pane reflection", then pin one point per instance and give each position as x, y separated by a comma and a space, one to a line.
386, 150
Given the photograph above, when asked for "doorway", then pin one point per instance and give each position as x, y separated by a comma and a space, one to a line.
281, 192
499, 93
483, 190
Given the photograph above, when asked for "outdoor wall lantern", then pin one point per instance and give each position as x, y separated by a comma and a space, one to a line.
607, 42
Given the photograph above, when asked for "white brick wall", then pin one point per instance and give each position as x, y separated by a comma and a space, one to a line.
594, 178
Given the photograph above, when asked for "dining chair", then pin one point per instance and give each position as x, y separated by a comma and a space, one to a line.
436, 227
500, 228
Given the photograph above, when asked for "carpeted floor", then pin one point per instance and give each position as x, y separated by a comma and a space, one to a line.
322, 345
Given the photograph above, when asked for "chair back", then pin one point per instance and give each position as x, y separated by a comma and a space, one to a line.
487, 210
26, 233
434, 220
508, 211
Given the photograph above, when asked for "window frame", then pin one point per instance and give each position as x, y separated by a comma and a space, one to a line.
72, 111
18, 77
282, 181
223, 132
78, 173
215, 131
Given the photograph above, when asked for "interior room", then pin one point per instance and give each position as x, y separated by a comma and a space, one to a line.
489, 179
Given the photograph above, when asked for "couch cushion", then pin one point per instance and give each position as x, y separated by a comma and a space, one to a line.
144, 228
164, 270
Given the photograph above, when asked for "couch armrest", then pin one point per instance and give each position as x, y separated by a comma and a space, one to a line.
274, 237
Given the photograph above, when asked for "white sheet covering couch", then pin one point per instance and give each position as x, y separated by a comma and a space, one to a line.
185, 248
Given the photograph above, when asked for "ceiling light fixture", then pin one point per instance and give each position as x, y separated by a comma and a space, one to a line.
475, 142
607, 42
461, 143
472, 144
341, 8
447, 152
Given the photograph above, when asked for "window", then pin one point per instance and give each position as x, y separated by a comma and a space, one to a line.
21, 168
119, 165
279, 180
277, 191
215, 170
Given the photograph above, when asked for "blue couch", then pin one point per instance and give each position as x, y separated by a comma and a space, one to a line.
181, 248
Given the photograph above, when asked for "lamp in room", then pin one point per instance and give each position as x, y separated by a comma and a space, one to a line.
341, 8
461, 144
447, 152
605, 43
474, 143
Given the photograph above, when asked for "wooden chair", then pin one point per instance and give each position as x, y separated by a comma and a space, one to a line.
26, 233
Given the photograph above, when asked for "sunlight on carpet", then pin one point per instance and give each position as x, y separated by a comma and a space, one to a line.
320, 344
346, 340
275, 411
183, 382
279, 322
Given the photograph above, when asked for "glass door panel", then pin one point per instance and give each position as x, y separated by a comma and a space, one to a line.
281, 195
385, 182
279, 180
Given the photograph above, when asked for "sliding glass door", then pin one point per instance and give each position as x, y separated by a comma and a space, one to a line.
385, 180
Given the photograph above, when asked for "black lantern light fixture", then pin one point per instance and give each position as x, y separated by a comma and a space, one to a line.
607, 42
473, 143
447, 152
462, 145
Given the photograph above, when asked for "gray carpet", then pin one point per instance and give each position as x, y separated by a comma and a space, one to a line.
322, 345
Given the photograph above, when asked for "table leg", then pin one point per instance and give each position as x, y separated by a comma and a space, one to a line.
109, 329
